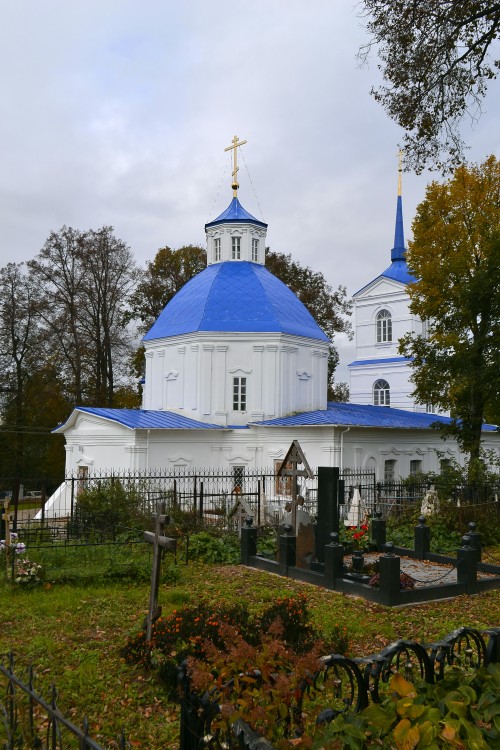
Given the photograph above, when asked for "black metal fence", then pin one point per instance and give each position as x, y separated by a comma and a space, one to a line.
217, 497
470, 574
224, 498
345, 684
29, 720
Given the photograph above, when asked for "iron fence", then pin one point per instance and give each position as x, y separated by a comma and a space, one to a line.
29, 720
42, 557
225, 497
346, 685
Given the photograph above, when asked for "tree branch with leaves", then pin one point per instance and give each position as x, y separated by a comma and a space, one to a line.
455, 255
436, 61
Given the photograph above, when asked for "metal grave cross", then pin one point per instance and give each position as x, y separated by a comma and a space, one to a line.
159, 542
289, 468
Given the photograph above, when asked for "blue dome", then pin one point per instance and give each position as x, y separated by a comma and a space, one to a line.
235, 297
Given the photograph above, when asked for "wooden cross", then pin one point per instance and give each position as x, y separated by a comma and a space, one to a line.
289, 468
159, 543
234, 148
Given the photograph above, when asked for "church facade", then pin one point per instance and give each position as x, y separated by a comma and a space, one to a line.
236, 369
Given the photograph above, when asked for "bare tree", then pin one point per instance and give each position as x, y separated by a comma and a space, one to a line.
20, 349
84, 280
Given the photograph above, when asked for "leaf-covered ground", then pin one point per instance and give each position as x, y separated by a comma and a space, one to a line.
73, 634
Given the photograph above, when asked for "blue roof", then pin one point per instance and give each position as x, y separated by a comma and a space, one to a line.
235, 296
398, 251
235, 212
357, 415
398, 271
382, 360
146, 419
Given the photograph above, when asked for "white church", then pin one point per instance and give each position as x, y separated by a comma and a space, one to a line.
236, 369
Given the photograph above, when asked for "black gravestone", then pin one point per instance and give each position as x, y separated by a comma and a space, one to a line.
330, 495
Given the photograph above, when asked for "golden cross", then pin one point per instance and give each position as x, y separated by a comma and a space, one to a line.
400, 170
234, 148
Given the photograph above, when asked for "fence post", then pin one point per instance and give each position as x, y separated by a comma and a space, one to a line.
422, 538
248, 542
475, 539
334, 560
44, 500
258, 502
72, 496
201, 500
467, 565
390, 569
493, 646
379, 530
287, 549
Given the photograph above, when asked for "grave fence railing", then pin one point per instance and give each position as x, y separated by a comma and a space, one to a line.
29, 720
348, 685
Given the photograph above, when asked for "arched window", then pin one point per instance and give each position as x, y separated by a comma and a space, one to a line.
381, 393
384, 327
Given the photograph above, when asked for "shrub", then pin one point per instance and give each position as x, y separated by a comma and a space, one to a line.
267, 542
264, 685
293, 613
108, 504
460, 711
210, 547
185, 631
194, 630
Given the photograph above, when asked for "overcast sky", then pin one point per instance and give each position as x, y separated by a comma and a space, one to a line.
118, 112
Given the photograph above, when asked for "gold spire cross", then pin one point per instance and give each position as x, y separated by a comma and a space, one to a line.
400, 170
234, 148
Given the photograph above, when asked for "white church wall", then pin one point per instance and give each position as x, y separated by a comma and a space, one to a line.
257, 447
194, 375
224, 232
383, 294
397, 374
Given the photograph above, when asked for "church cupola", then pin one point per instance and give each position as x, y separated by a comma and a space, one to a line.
235, 235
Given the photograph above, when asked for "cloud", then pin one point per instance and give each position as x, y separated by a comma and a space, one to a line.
118, 113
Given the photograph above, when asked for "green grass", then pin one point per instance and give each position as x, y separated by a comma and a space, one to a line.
73, 633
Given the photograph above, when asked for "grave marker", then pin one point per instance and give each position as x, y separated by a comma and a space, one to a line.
159, 542
330, 496
289, 468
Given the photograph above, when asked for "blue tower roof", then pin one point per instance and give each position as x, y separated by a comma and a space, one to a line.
398, 270
398, 251
235, 296
235, 212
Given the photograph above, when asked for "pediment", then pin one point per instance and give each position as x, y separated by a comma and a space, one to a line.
89, 424
380, 286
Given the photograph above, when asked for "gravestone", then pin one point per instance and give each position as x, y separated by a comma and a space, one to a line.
305, 542
305, 545
330, 496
